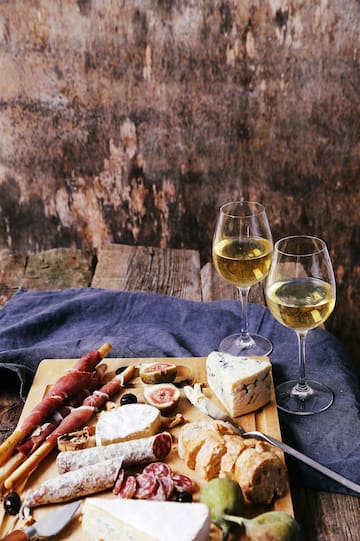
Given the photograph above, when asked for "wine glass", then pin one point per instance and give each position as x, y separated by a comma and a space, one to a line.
300, 293
241, 249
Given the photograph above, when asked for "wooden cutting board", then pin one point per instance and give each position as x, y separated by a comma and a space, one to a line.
49, 370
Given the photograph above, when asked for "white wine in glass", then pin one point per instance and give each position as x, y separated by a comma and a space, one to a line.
241, 250
300, 293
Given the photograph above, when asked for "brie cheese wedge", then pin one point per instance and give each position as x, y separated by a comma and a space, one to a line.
128, 422
115, 519
241, 384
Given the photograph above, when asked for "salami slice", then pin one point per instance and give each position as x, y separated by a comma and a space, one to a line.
128, 487
168, 486
159, 494
146, 486
162, 445
183, 483
119, 481
158, 469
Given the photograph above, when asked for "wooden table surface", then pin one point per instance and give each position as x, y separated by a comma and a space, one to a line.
323, 516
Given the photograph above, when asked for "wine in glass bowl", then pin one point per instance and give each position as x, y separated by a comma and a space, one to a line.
243, 262
242, 248
301, 293
301, 304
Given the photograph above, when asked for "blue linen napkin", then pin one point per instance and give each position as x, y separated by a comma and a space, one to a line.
67, 324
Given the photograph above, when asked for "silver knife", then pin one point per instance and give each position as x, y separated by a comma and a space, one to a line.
49, 525
208, 407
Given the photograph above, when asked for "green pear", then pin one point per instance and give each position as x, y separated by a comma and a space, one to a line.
270, 526
223, 496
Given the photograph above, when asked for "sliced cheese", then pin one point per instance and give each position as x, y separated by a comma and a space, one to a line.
242, 384
114, 519
128, 422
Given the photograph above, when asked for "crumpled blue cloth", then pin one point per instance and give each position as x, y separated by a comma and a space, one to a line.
69, 323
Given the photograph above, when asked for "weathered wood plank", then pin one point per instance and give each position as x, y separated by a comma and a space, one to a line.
140, 268
12, 269
215, 288
326, 516
11, 407
58, 269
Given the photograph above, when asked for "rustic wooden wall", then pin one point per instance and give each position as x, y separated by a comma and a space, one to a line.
132, 121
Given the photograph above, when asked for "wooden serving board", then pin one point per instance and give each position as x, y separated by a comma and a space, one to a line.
49, 370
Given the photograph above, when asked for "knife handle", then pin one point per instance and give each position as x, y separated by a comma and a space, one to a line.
16, 535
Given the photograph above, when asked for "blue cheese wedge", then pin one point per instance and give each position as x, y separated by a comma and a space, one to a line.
128, 422
241, 384
115, 519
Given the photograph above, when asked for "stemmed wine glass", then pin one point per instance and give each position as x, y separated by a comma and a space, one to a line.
242, 248
300, 293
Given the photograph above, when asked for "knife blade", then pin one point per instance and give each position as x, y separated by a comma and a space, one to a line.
208, 407
47, 526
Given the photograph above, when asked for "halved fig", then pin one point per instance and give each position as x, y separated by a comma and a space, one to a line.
164, 396
153, 373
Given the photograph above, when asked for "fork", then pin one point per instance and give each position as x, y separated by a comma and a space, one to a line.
207, 406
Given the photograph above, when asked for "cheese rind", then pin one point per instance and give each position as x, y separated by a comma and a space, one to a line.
128, 422
242, 384
114, 519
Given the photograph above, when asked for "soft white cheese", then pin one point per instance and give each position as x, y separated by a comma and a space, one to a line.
128, 422
242, 384
114, 519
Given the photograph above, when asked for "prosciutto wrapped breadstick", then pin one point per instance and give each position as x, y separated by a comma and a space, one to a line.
132, 452
74, 484
78, 378
39, 435
77, 419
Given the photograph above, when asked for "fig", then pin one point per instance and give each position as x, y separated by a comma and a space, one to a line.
164, 396
153, 373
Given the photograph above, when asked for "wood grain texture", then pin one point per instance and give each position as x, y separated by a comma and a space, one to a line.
161, 271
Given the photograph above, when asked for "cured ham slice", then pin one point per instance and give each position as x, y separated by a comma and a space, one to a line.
77, 419
78, 378
39, 435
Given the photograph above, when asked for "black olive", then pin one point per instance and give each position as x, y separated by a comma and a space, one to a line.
128, 398
184, 497
12, 503
120, 370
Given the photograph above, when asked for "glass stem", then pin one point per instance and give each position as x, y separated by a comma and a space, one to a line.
245, 337
301, 389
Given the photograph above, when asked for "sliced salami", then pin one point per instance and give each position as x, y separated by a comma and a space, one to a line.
119, 481
183, 483
128, 487
146, 485
158, 469
159, 494
162, 445
168, 486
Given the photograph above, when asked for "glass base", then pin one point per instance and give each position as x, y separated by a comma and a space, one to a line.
311, 398
257, 346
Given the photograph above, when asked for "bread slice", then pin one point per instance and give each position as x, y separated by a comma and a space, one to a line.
261, 475
209, 456
195, 444
234, 446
